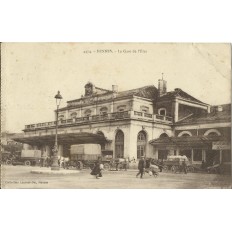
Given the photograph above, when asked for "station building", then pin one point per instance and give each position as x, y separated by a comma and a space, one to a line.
145, 121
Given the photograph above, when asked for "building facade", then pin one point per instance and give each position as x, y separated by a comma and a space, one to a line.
145, 121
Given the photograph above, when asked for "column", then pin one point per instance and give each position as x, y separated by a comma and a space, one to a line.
176, 111
112, 106
203, 155
60, 150
192, 155
220, 157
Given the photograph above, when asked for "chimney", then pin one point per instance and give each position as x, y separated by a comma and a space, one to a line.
115, 88
162, 87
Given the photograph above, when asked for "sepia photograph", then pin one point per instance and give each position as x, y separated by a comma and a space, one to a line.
116, 116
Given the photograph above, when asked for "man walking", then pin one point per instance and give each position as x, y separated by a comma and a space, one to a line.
141, 167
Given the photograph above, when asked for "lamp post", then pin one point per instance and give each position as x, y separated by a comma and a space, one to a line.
55, 165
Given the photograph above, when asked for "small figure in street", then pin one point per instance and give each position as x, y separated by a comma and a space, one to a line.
97, 169
41, 162
160, 165
125, 163
184, 166
141, 167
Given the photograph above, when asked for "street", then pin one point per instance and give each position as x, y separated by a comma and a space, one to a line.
20, 177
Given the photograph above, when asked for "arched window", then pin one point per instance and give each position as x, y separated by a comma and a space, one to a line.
103, 110
144, 109
61, 117
212, 132
184, 133
162, 111
87, 113
163, 154
163, 135
73, 115
121, 108
141, 144
119, 144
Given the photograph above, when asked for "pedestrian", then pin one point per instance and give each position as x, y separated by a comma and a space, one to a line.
184, 166
141, 167
96, 171
160, 165
125, 163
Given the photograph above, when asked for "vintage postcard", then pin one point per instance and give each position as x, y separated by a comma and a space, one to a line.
115, 116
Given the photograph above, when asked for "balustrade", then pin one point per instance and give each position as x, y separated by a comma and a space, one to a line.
103, 117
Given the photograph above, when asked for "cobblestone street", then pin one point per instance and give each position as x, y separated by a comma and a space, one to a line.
21, 177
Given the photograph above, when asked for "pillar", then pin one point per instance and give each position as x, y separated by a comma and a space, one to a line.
176, 111
60, 150
203, 155
220, 157
192, 155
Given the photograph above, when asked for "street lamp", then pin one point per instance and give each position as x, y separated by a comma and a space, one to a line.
55, 165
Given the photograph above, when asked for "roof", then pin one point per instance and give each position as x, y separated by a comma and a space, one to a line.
187, 141
70, 138
214, 115
149, 92
179, 93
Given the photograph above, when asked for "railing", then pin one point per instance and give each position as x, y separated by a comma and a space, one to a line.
104, 117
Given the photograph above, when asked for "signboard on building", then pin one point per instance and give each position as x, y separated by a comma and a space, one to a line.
221, 145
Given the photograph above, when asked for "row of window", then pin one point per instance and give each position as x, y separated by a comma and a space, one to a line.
104, 110
119, 144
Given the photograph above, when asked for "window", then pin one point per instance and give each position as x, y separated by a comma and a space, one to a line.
162, 111
73, 115
187, 153
162, 154
121, 108
87, 113
103, 110
119, 144
197, 155
226, 156
141, 144
144, 109
163, 135
61, 117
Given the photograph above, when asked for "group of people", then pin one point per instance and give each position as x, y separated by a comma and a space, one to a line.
97, 169
147, 166
45, 162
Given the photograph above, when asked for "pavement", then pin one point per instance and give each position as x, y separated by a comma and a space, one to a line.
16, 177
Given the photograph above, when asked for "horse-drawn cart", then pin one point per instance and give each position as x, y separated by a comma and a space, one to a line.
174, 163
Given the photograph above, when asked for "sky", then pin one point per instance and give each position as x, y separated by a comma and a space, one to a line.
32, 73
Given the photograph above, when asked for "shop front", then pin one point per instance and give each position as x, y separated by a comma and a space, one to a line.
211, 150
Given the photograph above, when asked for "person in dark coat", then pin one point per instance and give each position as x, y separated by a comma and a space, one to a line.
141, 167
96, 171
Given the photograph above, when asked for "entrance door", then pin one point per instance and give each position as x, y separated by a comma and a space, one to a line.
119, 144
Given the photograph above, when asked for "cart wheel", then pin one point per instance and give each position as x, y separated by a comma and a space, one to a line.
8, 162
173, 168
107, 166
27, 163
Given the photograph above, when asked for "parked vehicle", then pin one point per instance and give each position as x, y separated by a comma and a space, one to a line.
85, 155
6, 157
174, 163
27, 157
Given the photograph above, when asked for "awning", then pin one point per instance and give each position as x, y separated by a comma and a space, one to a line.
187, 142
68, 139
